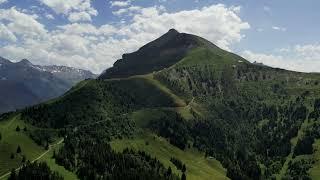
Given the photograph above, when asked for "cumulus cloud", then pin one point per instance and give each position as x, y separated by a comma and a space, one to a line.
76, 10
303, 58
84, 45
120, 3
20, 23
217, 23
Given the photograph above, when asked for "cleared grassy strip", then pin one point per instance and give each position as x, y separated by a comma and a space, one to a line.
198, 167
55, 167
176, 98
149, 77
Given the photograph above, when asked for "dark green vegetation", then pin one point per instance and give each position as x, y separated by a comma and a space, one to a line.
95, 158
173, 108
31, 171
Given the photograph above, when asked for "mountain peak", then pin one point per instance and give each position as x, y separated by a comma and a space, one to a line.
173, 31
154, 56
25, 62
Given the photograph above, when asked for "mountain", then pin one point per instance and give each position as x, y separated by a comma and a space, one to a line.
159, 54
23, 84
181, 107
69, 74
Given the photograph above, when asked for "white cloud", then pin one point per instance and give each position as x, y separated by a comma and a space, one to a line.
79, 16
49, 16
120, 3
217, 23
130, 11
303, 58
3, 1
20, 23
277, 28
6, 34
84, 45
76, 10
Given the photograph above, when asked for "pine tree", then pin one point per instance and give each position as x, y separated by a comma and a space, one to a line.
184, 168
12, 156
54, 154
23, 159
47, 146
19, 150
169, 172
183, 177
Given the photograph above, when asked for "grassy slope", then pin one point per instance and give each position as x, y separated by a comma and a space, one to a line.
10, 141
207, 56
156, 83
198, 167
293, 145
55, 167
150, 79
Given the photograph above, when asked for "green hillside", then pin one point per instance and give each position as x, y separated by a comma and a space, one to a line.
11, 139
198, 167
182, 107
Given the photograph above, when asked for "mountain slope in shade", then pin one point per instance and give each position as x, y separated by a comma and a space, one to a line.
23, 84
156, 55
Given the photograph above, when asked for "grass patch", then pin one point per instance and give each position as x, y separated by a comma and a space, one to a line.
55, 167
11, 139
198, 167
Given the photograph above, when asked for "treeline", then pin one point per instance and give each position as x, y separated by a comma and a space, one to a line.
299, 168
34, 171
305, 144
91, 157
180, 165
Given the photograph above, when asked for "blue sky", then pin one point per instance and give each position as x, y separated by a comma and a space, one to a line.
93, 34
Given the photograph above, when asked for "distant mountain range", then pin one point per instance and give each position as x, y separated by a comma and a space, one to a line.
23, 83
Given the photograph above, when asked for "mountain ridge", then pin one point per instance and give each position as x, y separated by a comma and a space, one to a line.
40, 83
